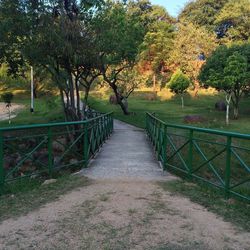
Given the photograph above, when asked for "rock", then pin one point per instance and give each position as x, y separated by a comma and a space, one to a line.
113, 100
73, 161
231, 201
27, 168
8, 162
193, 119
57, 147
220, 106
151, 96
50, 181
57, 161
11, 160
22, 146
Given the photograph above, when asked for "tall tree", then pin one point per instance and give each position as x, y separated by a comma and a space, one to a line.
236, 15
202, 12
192, 45
156, 47
228, 70
118, 36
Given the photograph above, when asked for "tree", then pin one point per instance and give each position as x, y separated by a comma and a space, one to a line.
189, 44
157, 45
179, 84
128, 81
236, 15
228, 70
63, 43
118, 36
12, 12
202, 13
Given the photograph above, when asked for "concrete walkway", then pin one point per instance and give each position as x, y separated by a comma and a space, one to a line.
127, 154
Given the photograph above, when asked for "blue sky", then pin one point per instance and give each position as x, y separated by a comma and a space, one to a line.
172, 6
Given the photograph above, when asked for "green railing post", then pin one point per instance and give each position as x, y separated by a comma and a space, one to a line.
228, 166
50, 151
86, 145
190, 153
1, 164
164, 156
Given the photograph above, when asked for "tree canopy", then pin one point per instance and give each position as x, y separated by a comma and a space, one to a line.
228, 69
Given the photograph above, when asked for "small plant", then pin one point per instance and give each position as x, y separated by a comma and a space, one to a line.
179, 84
7, 98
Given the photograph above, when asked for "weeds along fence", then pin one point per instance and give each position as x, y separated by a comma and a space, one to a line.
215, 157
46, 148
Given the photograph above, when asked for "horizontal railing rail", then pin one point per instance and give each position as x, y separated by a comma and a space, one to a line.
219, 158
32, 150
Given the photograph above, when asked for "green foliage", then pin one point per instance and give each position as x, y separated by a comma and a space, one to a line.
189, 43
179, 82
202, 12
237, 13
228, 69
157, 45
7, 98
118, 34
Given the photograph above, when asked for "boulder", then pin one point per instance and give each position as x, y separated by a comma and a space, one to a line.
151, 96
57, 147
50, 181
10, 161
73, 161
193, 119
220, 106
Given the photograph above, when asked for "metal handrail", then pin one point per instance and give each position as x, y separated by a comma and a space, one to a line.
231, 173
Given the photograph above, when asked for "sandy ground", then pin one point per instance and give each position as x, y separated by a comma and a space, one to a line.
128, 214
4, 113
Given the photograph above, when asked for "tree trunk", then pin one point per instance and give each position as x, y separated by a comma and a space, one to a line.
236, 112
9, 114
182, 102
228, 100
86, 95
118, 98
154, 82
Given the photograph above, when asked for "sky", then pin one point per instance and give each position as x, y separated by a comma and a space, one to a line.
173, 6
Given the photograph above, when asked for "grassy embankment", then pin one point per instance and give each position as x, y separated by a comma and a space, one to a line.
168, 108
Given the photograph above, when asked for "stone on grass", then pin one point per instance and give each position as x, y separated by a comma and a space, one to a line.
220, 106
73, 161
50, 181
193, 119
57, 147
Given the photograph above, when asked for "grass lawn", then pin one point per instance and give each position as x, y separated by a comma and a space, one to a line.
46, 109
170, 110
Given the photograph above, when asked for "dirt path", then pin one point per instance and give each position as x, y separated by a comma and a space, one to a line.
124, 214
15, 108
122, 208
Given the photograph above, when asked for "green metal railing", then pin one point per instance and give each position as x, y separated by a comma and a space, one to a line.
45, 148
219, 158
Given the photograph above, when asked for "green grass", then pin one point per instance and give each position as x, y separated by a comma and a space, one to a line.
170, 111
46, 109
28, 194
231, 210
